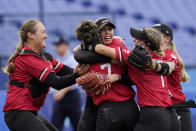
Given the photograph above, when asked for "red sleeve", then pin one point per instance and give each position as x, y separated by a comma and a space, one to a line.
119, 42
56, 65
174, 58
170, 56
118, 52
37, 67
121, 50
122, 54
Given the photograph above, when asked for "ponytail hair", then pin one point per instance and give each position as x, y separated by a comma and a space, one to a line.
28, 26
184, 77
10, 66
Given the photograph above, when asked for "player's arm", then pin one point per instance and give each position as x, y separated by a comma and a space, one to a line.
52, 80
164, 68
105, 50
109, 52
88, 57
65, 70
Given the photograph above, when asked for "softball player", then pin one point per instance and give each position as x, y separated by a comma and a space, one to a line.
152, 88
177, 76
31, 73
115, 110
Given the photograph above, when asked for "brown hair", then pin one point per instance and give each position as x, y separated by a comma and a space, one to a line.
184, 77
87, 32
27, 26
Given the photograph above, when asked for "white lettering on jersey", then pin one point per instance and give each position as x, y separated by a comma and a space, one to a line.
158, 61
173, 56
126, 51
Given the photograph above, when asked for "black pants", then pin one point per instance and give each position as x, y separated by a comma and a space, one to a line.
18, 120
184, 115
157, 119
89, 115
117, 116
68, 106
109, 116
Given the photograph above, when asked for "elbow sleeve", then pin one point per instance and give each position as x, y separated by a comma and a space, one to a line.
60, 82
87, 57
65, 70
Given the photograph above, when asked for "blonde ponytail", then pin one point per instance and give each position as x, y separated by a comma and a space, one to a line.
184, 77
10, 66
28, 26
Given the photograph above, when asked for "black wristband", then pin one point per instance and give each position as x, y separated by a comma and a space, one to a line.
164, 69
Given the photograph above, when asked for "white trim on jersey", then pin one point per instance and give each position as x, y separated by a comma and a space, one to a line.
170, 94
162, 80
42, 74
120, 53
56, 65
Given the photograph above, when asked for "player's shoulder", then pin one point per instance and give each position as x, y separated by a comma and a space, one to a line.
28, 61
118, 39
170, 53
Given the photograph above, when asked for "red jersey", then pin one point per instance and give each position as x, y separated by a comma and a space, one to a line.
152, 88
27, 67
174, 86
117, 92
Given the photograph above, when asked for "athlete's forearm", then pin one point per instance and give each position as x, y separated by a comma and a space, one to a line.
60, 82
65, 70
164, 68
87, 57
105, 50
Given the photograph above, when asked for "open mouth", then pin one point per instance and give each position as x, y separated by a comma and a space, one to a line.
107, 38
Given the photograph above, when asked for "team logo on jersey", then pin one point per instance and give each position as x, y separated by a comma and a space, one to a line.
158, 61
173, 56
126, 51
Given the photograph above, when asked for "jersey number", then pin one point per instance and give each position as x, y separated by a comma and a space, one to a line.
108, 66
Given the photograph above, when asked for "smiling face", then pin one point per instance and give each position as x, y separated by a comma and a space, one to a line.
107, 34
39, 37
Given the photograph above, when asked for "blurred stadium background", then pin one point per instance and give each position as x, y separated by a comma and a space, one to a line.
61, 17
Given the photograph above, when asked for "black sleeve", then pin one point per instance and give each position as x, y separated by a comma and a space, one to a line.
65, 70
126, 80
60, 82
88, 57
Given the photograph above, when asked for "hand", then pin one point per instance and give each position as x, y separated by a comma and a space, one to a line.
82, 69
58, 96
61, 93
78, 47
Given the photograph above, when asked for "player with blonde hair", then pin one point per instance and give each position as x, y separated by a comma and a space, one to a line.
177, 76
